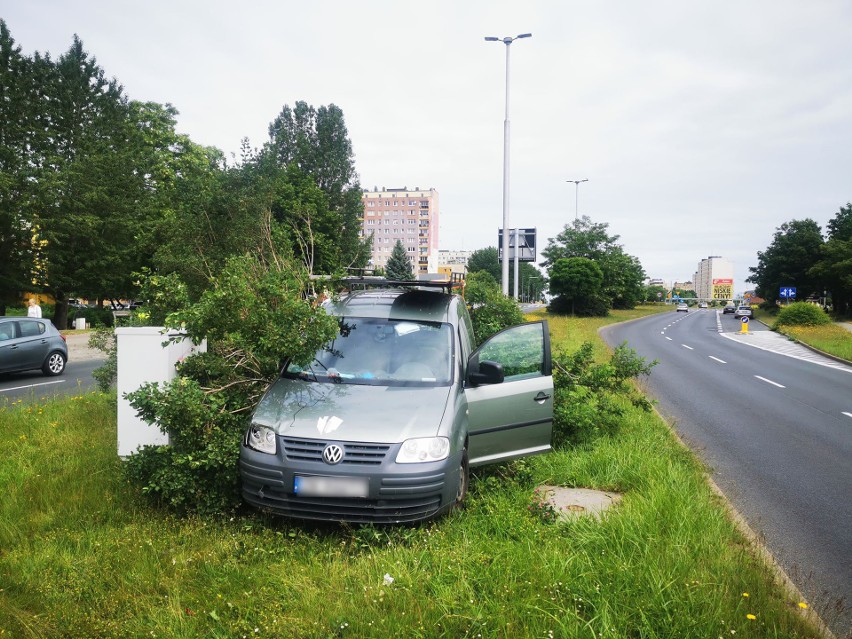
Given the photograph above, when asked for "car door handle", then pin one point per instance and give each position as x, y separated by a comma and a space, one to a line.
541, 397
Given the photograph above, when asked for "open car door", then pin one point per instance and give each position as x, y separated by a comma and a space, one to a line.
509, 390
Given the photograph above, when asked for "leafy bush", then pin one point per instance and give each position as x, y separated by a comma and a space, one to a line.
490, 310
587, 394
801, 314
255, 313
103, 339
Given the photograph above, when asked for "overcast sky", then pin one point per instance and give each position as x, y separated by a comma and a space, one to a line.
701, 126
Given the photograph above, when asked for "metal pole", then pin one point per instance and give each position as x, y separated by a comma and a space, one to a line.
577, 196
517, 250
504, 272
505, 266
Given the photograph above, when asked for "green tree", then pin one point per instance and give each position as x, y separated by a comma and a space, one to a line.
787, 261
17, 110
80, 180
577, 281
255, 312
490, 310
834, 267
651, 293
398, 266
531, 279
623, 275
485, 260
314, 143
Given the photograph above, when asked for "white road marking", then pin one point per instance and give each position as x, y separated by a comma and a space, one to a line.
847, 414
769, 381
6, 390
721, 361
689, 347
775, 343
669, 338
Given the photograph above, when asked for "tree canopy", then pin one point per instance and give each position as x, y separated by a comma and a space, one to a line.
398, 266
623, 275
787, 261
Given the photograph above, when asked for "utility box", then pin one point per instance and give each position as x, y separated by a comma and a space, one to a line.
80, 323
142, 358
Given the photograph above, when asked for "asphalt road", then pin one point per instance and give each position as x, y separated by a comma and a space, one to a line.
32, 386
775, 431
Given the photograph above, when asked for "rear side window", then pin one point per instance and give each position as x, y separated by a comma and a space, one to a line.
30, 328
7, 331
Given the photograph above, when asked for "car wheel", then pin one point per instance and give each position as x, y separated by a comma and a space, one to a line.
464, 481
54, 364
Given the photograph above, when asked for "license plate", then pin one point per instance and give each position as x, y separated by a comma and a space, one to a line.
309, 486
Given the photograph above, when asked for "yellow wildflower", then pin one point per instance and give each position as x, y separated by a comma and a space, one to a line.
750, 616
802, 604
745, 594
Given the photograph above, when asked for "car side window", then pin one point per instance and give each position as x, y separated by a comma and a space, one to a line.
7, 331
30, 328
520, 350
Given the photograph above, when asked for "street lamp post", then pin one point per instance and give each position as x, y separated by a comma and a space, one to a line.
529, 281
505, 244
576, 195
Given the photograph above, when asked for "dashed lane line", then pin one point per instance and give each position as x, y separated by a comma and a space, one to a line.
769, 381
721, 361
847, 414
689, 347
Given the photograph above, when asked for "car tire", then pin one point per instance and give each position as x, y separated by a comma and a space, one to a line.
464, 482
54, 364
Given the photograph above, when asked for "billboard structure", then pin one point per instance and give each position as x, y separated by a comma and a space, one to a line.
723, 289
524, 240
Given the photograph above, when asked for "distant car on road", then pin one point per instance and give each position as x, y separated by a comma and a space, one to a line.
29, 343
743, 311
682, 307
729, 308
702, 305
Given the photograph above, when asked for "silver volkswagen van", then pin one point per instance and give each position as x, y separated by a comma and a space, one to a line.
386, 421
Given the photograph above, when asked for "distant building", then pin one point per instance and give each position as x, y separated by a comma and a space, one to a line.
656, 281
714, 278
408, 216
683, 286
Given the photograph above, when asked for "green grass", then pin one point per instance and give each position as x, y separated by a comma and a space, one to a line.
82, 555
830, 338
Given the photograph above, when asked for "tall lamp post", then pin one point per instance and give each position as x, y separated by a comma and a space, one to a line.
531, 288
505, 244
576, 195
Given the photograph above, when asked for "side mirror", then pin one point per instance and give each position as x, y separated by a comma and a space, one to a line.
487, 372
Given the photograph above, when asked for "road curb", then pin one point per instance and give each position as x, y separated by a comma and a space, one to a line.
837, 359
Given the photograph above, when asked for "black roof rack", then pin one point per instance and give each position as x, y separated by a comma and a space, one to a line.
362, 282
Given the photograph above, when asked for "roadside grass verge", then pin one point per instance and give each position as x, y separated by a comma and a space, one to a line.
830, 338
82, 555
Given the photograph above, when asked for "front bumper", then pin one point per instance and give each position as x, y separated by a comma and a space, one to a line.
396, 492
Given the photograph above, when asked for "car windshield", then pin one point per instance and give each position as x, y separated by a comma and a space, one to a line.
382, 352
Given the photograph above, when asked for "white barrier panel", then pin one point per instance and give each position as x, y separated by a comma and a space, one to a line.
142, 358
80, 323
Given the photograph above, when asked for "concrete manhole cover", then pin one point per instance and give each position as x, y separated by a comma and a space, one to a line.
577, 502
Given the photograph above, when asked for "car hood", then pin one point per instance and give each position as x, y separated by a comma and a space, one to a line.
351, 412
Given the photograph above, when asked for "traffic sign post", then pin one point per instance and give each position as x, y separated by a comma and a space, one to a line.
744, 329
788, 293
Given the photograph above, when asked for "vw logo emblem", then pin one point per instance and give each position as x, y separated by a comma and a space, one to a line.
332, 454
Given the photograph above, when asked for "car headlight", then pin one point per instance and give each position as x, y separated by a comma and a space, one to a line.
424, 449
261, 439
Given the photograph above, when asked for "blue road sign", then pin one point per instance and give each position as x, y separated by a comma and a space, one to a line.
744, 320
788, 292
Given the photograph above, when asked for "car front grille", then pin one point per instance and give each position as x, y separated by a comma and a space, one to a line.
376, 511
353, 453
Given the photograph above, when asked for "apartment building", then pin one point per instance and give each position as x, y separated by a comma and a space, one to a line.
714, 279
410, 216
